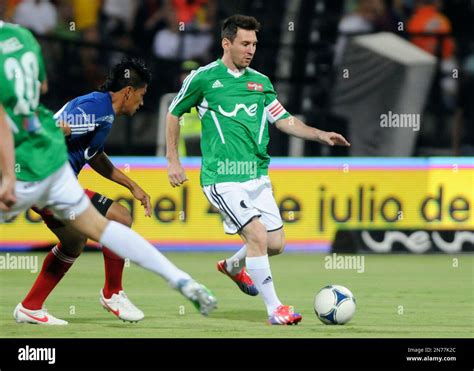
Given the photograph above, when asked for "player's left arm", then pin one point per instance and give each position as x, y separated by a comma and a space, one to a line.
102, 165
292, 126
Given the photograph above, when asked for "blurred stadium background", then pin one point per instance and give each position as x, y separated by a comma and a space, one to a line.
340, 65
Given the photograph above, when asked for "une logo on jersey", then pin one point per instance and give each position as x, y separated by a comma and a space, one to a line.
251, 110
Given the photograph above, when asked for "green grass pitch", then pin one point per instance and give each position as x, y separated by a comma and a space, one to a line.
398, 296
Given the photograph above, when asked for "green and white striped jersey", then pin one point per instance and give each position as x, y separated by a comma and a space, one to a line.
234, 109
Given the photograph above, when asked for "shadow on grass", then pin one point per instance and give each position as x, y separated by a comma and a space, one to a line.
241, 315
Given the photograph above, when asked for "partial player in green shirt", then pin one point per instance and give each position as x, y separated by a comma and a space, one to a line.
39, 144
43, 177
235, 104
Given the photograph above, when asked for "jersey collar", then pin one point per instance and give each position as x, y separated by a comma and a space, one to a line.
236, 74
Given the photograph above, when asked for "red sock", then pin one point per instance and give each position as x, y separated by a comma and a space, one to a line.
113, 273
55, 266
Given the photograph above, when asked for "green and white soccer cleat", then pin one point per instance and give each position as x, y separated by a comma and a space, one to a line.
201, 297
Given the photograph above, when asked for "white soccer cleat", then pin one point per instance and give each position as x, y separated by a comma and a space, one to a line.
121, 306
39, 316
201, 297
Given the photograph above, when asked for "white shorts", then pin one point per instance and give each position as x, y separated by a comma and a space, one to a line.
60, 192
239, 203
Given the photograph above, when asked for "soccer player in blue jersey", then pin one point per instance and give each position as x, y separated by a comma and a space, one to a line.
86, 122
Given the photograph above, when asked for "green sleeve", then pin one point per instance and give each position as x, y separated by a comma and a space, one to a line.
189, 96
270, 94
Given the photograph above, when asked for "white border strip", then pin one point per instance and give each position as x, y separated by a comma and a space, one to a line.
218, 126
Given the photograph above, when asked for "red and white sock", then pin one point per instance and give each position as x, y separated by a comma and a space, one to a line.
55, 266
113, 265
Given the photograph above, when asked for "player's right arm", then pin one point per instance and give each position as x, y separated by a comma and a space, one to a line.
102, 165
176, 173
7, 164
189, 96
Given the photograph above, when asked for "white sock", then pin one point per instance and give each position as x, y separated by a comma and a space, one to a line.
236, 262
140, 252
258, 268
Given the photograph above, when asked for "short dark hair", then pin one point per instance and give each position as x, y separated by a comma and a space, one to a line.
233, 23
130, 72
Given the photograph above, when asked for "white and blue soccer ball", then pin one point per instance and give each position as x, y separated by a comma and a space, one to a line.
334, 305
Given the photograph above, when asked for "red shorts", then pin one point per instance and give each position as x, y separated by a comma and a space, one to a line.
100, 202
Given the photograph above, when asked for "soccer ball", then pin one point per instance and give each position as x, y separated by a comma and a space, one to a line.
334, 305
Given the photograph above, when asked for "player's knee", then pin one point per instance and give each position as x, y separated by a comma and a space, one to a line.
73, 246
276, 248
276, 242
126, 219
121, 215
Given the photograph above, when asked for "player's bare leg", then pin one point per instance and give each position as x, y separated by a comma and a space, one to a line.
276, 242
112, 297
255, 236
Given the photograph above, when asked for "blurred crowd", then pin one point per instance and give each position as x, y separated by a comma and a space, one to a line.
411, 19
143, 24
164, 32
402, 17
441, 28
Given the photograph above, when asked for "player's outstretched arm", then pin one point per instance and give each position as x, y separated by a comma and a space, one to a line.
176, 173
7, 164
102, 164
292, 126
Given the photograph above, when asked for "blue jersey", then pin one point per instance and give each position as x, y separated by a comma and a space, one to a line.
90, 118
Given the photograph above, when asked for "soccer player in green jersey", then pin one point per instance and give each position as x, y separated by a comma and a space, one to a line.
35, 171
235, 103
